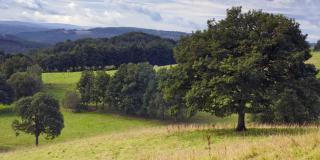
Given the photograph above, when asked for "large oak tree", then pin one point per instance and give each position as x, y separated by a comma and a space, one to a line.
241, 62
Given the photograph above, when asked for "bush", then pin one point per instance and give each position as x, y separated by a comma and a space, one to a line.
72, 101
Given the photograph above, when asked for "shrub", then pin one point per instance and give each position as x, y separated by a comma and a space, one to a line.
72, 101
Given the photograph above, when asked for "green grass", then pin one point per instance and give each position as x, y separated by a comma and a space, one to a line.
77, 126
59, 83
315, 59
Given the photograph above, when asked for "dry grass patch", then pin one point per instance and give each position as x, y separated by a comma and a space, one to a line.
186, 142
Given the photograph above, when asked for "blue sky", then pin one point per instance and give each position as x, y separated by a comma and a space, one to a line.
179, 15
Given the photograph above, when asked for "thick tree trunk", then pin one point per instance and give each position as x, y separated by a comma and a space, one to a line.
241, 122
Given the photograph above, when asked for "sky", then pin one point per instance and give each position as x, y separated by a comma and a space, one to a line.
176, 15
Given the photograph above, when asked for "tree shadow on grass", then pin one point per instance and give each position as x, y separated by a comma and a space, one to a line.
261, 132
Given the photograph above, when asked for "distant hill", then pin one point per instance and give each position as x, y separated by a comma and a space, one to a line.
61, 35
14, 27
38, 35
12, 44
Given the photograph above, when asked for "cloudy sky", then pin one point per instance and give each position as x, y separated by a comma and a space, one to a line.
179, 15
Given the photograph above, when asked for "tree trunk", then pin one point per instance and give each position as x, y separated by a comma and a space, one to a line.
241, 122
37, 139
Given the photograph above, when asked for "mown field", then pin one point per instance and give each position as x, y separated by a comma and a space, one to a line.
94, 135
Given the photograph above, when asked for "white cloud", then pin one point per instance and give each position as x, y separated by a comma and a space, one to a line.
182, 15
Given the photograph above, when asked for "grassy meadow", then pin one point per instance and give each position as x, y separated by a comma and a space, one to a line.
92, 135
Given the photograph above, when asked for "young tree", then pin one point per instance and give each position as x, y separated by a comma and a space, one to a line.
317, 46
6, 92
25, 84
86, 87
39, 114
101, 85
240, 62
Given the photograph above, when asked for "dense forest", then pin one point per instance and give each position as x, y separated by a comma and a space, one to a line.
93, 54
98, 53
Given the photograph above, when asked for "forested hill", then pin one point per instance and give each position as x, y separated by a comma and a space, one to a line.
61, 35
13, 44
97, 53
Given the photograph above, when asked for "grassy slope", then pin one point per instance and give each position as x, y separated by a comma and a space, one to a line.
185, 142
76, 125
105, 136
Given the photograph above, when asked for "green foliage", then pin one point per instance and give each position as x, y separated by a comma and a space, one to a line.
238, 63
15, 63
35, 70
297, 103
101, 83
86, 87
25, 84
173, 86
317, 46
128, 86
72, 101
95, 54
39, 115
6, 92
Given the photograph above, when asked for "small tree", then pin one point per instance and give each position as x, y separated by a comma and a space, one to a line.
72, 101
39, 114
317, 46
86, 87
25, 84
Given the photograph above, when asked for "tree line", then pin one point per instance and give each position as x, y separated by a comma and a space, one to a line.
135, 89
93, 54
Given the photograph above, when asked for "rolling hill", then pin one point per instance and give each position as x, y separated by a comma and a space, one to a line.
61, 35
38, 35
